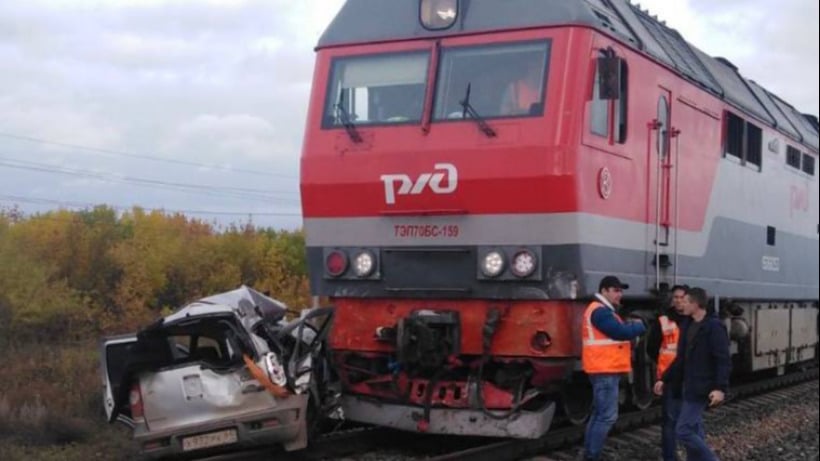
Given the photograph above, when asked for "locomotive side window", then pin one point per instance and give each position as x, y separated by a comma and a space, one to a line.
754, 145
663, 129
744, 141
497, 81
599, 112
381, 89
609, 68
734, 135
808, 164
621, 104
800, 161
792, 157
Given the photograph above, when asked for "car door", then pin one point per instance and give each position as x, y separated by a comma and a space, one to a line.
115, 353
206, 379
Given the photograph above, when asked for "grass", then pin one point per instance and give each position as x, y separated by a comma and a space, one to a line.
51, 405
107, 444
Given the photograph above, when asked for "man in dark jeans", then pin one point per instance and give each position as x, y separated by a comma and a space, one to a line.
700, 370
606, 355
662, 342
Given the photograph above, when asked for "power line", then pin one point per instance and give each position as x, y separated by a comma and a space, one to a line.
110, 152
73, 204
139, 182
96, 174
238, 192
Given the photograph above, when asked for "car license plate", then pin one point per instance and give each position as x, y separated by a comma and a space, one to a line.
212, 439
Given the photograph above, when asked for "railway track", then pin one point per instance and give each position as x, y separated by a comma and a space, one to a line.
631, 430
350, 444
327, 446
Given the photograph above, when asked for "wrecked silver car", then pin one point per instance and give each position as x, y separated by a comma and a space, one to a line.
221, 373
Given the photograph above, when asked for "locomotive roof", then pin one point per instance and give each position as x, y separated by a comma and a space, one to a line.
365, 21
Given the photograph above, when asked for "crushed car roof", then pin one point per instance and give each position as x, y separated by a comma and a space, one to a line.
249, 305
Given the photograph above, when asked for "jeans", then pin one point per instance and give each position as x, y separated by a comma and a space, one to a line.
604, 413
670, 413
691, 434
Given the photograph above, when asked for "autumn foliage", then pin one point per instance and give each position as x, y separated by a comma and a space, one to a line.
68, 279
75, 275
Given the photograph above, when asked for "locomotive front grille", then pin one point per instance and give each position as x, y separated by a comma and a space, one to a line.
437, 269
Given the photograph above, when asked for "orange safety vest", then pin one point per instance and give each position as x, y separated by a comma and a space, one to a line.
525, 96
600, 353
669, 344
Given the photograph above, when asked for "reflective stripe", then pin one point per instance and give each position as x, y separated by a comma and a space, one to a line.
602, 342
590, 331
669, 344
666, 325
590, 327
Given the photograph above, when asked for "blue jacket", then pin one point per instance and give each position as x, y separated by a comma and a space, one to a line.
603, 318
702, 366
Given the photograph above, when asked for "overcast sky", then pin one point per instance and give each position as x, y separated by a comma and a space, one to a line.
93, 92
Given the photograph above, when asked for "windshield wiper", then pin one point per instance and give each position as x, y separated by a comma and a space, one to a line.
344, 116
469, 109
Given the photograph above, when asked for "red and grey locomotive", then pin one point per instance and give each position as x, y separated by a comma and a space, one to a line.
472, 168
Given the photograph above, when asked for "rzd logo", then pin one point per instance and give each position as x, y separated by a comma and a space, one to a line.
402, 184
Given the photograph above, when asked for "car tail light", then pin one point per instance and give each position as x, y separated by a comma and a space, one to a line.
156, 444
523, 263
264, 424
336, 263
135, 400
270, 422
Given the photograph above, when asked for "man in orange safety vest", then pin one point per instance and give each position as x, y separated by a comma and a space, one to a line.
662, 342
606, 356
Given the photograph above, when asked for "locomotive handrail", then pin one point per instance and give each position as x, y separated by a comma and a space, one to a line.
675, 133
656, 125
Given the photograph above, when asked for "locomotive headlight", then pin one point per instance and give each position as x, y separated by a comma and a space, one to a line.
438, 14
363, 264
493, 264
523, 263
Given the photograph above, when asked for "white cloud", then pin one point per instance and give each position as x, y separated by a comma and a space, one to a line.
775, 44
236, 137
227, 83
115, 4
56, 120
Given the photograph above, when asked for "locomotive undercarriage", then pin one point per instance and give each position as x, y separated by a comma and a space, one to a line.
428, 386
771, 336
426, 383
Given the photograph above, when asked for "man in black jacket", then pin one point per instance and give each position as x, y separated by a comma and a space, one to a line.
662, 345
700, 370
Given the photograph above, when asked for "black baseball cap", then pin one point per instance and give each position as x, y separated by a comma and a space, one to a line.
610, 281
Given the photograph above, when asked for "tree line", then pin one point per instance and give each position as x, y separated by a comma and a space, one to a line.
70, 275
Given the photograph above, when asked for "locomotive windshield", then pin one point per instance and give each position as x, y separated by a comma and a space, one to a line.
380, 89
504, 80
